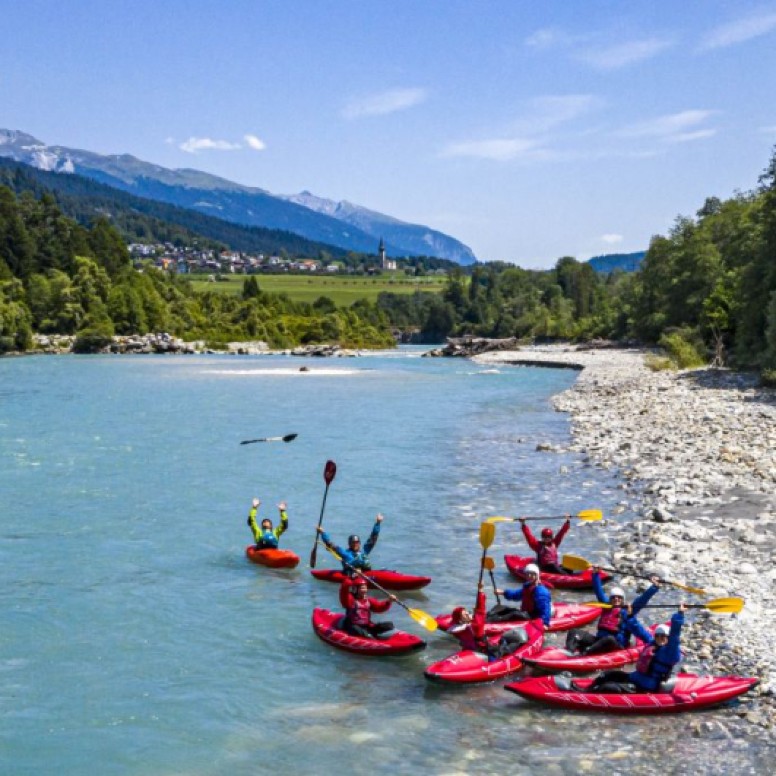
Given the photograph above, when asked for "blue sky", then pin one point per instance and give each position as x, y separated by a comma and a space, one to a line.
527, 130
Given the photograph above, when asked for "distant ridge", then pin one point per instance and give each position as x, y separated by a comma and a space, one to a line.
347, 226
627, 262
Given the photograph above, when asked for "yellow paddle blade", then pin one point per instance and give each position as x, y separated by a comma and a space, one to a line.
598, 604
426, 620
500, 520
489, 563
590, 515
487, 534
694, 590
725, 605
575, 563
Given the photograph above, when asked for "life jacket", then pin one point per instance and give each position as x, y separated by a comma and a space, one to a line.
360, 612
268, 540
547, 554
527, 601
357, 559
649, 664
610, 620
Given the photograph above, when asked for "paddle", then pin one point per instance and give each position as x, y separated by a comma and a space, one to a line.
329, 471
575, 563
286, 438
490, 564
586, 515
487, 535
426, 620
716, 605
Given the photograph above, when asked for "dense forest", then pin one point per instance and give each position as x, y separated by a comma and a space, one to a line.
706, 291
59, 277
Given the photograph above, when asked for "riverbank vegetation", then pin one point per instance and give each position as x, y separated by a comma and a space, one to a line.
706, 291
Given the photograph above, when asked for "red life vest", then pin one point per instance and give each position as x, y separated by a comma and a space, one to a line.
610, 620
645, 659
527, 601
547, 554
360, 612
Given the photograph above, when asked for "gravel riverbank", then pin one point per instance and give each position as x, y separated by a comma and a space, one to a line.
695, 455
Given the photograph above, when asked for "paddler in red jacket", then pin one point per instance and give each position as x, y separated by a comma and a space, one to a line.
547, 549
359, 607
470, 629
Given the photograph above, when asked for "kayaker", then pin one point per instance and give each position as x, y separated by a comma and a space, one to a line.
547, 549
266, 537
535, 599
616, 625
469, 629
359, 607
654, 665
354, 556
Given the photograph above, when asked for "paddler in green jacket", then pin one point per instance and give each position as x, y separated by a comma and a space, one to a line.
266, 537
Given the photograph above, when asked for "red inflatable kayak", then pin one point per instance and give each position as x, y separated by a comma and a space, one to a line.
581, 581
556, 659
687, 693
398, 643
390, 580
468, 667
564, 617
275, 559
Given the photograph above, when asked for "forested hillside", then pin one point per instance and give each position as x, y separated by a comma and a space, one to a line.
707, 291
57, 276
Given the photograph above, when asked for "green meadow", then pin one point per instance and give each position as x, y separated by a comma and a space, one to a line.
343, 291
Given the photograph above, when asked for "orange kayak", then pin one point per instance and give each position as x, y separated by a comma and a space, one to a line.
275, 559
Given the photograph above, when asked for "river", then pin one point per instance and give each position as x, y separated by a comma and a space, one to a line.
135, 638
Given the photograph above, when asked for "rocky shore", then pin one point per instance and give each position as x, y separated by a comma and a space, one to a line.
695, 454
161, 342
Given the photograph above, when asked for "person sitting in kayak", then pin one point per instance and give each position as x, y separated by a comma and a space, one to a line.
354, 556
617, 624
654, 665
535, 599
547, 549
359, 607
469, 629
267, 537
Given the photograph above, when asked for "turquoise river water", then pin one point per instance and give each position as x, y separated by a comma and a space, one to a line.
135, 638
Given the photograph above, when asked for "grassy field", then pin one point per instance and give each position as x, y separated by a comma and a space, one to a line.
343, 291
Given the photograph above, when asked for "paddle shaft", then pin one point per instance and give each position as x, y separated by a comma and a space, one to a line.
495, 589
286, 438
329, 471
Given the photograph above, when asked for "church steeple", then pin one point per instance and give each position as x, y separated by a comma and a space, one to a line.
381, 253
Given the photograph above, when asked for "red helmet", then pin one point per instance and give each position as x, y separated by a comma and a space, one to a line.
358, 582
546, 533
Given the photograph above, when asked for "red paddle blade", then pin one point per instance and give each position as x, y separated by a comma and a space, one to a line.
329, 471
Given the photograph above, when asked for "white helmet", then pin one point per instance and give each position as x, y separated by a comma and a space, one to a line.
617, 591
662, 630
531, 568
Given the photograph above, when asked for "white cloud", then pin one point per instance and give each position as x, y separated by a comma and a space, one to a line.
673, 128
611, 239
624, 54
256, 143
497, 149
196, 144
549, 37
548, 112
738, 31
384, 103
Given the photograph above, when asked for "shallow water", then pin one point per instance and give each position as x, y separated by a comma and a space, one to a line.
136, 639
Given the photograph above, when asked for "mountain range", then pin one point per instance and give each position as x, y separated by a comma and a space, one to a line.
627, 262
341, 224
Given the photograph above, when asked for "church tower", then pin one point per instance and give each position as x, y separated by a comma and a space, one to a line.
381, 253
